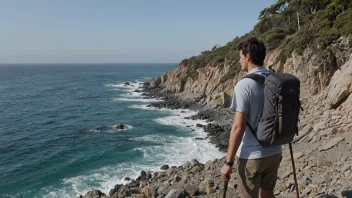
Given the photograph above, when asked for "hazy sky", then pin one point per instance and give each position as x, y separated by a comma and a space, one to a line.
120, 31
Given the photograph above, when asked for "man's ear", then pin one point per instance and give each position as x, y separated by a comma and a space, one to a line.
248, 57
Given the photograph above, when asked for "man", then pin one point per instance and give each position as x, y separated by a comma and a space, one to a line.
257, 166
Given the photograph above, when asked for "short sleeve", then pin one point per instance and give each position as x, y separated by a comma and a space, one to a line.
240, 100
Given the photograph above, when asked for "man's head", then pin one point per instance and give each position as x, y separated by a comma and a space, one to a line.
252, 52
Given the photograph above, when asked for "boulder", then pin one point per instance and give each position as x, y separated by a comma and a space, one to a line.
177, 193
164, 167
120, 126
94, 194
340, 86
199, 125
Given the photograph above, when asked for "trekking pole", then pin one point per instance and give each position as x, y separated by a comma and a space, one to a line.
294, 170
225, 189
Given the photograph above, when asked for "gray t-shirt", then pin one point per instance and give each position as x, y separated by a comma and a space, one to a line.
249, 99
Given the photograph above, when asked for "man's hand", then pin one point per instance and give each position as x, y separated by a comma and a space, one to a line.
225, 172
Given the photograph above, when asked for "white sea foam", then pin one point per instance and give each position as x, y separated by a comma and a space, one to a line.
177, 150
144, 106
152, 138
103, 179
130, 86
94, 130
170, 149
132, 94
139, 99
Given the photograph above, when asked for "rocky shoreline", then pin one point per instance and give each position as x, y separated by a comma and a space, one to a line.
323, 160
218, 128
219, 120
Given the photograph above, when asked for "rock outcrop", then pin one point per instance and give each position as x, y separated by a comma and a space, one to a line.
314, 69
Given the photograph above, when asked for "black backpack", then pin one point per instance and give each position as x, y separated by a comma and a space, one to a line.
279, 120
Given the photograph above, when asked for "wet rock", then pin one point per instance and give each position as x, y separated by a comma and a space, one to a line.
186, 165
200, 138
120, 126
164, 167
213, 129
194, 161
199, 125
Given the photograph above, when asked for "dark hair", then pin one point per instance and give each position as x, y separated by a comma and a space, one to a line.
255, 48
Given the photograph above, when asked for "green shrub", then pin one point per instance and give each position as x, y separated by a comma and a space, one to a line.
343, 22
273, 37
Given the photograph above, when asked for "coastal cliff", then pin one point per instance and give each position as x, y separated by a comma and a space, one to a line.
314, 69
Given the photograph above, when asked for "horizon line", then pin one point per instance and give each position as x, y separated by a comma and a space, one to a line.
87, 63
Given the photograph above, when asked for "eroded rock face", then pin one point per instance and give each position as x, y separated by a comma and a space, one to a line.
316, 71
340, 86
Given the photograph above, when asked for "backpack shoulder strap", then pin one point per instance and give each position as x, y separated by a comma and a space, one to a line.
256, 77
260, 79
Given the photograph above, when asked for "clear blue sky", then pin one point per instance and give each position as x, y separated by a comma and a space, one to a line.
149, 31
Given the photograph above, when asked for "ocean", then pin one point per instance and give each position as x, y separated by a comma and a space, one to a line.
58, 136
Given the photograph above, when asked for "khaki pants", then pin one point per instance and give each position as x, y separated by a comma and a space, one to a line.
254, 174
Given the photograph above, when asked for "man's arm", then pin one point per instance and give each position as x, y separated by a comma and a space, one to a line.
236, 135
241, 105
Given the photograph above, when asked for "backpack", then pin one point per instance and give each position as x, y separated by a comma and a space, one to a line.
279, 120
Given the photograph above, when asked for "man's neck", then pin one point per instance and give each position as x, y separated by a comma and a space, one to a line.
251, 67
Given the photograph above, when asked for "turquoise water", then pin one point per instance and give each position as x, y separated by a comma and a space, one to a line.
58, 136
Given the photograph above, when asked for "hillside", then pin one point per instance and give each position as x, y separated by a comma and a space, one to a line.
313, 48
